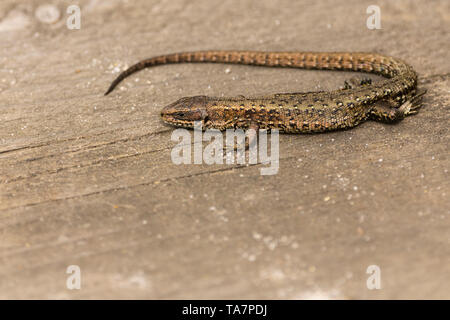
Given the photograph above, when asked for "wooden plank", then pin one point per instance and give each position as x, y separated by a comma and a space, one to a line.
88, 180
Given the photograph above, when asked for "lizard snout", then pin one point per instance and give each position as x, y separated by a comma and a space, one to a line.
185, 111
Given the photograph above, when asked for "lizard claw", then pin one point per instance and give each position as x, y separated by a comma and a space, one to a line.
413, 105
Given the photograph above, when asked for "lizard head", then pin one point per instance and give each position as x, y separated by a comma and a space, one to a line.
184, 112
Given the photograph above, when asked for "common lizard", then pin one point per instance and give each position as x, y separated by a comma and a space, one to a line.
388, 101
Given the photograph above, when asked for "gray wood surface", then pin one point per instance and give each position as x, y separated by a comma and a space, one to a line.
88, 180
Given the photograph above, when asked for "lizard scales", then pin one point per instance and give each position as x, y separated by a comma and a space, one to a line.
388, 101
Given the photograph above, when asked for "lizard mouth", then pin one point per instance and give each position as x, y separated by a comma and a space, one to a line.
185, 111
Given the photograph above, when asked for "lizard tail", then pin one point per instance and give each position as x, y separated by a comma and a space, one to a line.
160, 60
366, 62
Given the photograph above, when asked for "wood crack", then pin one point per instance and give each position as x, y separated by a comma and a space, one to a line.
236, 167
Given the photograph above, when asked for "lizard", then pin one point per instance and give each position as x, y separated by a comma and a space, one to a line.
390, 100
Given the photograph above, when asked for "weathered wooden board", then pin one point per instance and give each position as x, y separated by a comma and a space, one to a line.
88, 180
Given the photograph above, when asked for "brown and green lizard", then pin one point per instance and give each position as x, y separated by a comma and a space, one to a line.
389, 101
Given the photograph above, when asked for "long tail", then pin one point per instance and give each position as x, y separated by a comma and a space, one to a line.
365, 62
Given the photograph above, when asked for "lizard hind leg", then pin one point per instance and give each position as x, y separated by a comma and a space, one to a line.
385, 111
388, 111
356, 82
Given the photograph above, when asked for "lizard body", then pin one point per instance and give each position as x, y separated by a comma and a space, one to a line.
388, 101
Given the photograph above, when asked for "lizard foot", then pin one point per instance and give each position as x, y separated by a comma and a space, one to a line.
413, 105
249, 142
387, 111
356, 82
